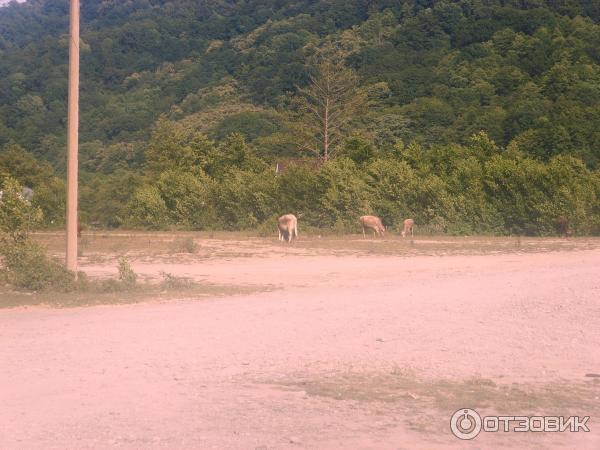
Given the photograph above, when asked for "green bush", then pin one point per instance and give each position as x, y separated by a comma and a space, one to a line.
27, 266
298, 192
17, 216
25, 263
187, 198
394, 188
244, 199
345, 194
127, 276
148, 209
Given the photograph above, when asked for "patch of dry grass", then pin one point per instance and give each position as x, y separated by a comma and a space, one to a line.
98, 247
442, 245
183, 244
174, 289
428, 404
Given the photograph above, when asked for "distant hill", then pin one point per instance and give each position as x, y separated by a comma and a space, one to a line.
526, 72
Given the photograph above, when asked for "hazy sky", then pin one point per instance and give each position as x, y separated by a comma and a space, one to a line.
3, 2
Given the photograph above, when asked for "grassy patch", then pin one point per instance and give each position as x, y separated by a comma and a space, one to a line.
428, 404
106, 293
30, 277
172, 282
448, 394
102, 247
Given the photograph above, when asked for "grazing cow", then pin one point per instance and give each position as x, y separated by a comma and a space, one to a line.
562, 226
408, 227
288, 227
374, 223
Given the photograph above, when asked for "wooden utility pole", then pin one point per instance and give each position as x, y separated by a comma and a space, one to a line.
73, 137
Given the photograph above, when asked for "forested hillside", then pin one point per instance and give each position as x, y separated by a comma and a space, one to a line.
470, 115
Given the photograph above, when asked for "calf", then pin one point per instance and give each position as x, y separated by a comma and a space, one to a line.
408, 227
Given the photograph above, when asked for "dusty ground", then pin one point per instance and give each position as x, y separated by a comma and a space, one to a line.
357, 344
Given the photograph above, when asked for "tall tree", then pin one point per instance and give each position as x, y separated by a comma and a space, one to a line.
325, 108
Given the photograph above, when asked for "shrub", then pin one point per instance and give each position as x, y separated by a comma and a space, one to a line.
183, 245
148, 209
17, 216
172, 282
25, 263
394, 186
245, 198
126, 274
27, 266
187, 199
298, 191
345, 194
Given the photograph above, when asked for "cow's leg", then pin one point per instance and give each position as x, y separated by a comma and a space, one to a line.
364, 233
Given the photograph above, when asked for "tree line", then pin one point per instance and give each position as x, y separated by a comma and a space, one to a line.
191, 182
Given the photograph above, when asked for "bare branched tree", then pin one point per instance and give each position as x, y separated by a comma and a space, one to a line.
326, 107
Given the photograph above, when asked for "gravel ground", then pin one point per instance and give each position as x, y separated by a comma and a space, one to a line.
349, 351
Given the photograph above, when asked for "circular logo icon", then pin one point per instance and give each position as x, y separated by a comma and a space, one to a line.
465, 424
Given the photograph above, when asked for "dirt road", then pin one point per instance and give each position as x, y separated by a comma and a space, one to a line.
350, 351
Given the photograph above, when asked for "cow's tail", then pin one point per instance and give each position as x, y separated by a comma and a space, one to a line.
296, 229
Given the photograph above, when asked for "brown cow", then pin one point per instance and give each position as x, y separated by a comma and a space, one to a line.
374, 223
562, 226
288, 227
408, 227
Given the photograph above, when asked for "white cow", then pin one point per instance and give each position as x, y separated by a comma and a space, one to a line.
288, 227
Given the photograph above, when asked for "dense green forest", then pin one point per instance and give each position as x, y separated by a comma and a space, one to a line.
472, 116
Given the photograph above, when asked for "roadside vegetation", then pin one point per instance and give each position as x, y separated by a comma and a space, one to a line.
28, 276
477, 187
191, 183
